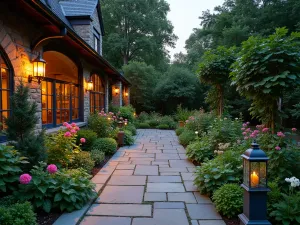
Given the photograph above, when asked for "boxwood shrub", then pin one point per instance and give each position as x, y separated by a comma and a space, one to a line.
106, 145
186, 137
131, 128
163, 126
229, 200
179, 130
83, 160
143, 125
89, 135
97, 155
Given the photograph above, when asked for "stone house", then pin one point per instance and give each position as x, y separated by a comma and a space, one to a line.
75, 79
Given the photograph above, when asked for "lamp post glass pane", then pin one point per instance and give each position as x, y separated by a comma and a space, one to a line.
258, 174
246, 172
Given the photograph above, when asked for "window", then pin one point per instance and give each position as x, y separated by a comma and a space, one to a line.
5, 89
60, 90
97, 95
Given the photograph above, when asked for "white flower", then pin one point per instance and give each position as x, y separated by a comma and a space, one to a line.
236, 118
225, 118
294, 181
196, 132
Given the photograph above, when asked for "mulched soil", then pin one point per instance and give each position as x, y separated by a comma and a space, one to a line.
44, 218
231, 221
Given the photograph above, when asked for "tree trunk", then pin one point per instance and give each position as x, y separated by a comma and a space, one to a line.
125, 59
221, 100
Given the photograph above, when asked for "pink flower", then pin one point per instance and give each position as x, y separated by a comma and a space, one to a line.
277, 148
294, 129
69, 127
244, 125
252, 135
68, 134
73, 124
244, 133
82, 140
243, 128
187, 121
65, 124
265, 130
280, 134
25, 178
248, 130
256, 132
52, 168
77, 128
246, 138
248, 123
73, 131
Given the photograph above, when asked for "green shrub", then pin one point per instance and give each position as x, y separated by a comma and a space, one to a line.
229, 200
17, 214
274, 196
10, 162
200, 150
99, 124
169, 121
143, 126
97, 155
64, 190
179, 130
127, 112
153, 123
225, 168
61, 150
106, 145
186, 137
113, 108
83, 160
182, 114
113, 133
143, 117
33, 148
163, 126
89, 136
128, 139
9, 200
131, 128
200, 122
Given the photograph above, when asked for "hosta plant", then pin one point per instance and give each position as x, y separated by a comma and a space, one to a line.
10, 161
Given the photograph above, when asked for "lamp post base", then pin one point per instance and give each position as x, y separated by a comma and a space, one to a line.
245, 221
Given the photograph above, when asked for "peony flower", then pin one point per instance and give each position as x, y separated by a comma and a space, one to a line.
277, 148
294, 129
25, 178
69, 127
243, 128
82, 140
280, 134
65, 124
68, 134
73, 131
244, 133
73, 124
52, 168
265, 130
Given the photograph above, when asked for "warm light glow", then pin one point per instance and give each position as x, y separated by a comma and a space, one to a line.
109, 118
125, 123
126, 94
39, 69
90, 85
254, 179
117, 90
134, 114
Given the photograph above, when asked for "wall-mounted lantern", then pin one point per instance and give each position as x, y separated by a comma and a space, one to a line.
126, 94
255, 187
39, 69
117, 90
89, 85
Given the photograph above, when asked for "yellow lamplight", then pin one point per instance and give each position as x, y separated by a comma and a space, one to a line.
126, 94
39, 69
89, 85
117, 90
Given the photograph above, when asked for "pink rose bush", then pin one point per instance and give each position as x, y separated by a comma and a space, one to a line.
25, 178
82, 140
294, 129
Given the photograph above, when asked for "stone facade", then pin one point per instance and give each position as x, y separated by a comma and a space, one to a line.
16, 39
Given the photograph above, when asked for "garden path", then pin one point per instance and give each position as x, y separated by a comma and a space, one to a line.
150, 183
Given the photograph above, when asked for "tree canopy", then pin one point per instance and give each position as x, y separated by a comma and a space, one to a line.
136, 30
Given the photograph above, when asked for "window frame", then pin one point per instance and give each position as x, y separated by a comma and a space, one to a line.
94, 93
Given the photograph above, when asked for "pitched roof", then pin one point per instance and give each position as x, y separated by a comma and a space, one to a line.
79, 7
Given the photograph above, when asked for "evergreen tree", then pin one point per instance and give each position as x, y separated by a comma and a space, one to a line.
20, 126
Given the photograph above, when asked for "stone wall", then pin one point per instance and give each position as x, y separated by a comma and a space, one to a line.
117, 99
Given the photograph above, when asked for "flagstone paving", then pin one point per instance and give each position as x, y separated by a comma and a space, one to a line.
150, 183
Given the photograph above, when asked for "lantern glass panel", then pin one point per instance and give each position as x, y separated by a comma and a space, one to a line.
246, 172
258, 175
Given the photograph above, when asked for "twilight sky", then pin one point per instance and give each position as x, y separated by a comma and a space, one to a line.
184, 17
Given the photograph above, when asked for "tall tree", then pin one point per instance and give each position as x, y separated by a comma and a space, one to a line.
214, 70
143, 79
265, 69
136, 30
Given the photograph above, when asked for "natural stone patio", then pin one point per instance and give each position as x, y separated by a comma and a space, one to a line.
150, 183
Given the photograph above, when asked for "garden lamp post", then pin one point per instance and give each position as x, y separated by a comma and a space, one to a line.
255, 187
